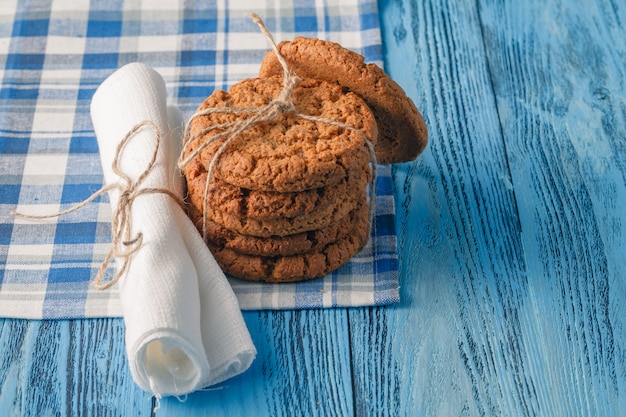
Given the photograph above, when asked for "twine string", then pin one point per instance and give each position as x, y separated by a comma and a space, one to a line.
254, 116
123, 245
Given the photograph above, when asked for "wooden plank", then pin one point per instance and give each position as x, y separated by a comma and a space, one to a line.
473, 336
302, 369
454, 345
559, 70
69, 368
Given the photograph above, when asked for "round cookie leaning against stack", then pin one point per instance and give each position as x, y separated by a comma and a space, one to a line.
287, 199
402, 133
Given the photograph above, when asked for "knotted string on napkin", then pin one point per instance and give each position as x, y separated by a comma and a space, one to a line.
280, 105
184, 327
123, 244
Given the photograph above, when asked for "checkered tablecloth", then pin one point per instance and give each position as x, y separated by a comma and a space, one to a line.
53, 56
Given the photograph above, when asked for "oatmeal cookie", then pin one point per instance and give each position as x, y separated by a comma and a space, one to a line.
287, 153
402, 133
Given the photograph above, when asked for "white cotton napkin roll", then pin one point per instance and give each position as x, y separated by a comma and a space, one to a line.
184, 328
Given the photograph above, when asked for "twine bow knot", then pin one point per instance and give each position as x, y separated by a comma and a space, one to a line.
124, 245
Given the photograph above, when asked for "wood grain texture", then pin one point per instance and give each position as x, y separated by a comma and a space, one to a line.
302, 369
67, 368
559, 72
512, 223
454, 345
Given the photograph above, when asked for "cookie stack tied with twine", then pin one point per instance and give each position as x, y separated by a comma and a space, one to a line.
277, 173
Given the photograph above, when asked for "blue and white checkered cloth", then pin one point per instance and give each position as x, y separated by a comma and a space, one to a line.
53, 56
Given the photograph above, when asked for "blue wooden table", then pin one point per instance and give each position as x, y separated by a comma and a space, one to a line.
512, 234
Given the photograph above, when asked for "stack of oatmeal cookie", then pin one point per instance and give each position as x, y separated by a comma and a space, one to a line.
287, 199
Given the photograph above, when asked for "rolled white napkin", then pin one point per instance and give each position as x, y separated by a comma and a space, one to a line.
184, 328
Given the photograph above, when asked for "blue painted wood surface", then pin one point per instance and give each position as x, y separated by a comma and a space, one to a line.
512, 234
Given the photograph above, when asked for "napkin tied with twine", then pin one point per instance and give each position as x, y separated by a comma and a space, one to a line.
184, 328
